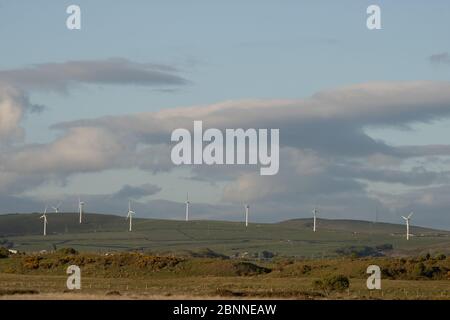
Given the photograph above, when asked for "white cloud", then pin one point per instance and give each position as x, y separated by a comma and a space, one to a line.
12, 108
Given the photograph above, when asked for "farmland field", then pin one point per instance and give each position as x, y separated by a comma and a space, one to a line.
103, 233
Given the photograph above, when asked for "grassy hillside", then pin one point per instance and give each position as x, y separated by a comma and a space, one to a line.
290, 238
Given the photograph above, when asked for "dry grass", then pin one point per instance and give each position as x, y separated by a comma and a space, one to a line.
132, 276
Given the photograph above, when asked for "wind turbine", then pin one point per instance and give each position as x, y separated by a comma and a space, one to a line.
44, 216
80, 208
130, 215
247, 208
187, 207
315, 211
407, 224
57, 207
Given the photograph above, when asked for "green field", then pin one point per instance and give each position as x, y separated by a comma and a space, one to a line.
105, 233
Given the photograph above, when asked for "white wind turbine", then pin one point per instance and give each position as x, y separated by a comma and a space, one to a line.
315, 211
407, 219
57, 207
187, 207
247, 208
130, 215
44, 216
80, 208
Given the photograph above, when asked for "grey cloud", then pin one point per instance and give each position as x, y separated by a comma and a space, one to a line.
59, 76
137, 192
423, 150
331, 121
430, 205
417, 176
440, 58
15, 85
37, 108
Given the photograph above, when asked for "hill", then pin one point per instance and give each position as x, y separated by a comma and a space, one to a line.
294, 238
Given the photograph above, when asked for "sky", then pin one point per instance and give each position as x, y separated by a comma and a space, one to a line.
363, 114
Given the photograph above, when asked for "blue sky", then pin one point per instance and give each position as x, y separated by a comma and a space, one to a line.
226, 50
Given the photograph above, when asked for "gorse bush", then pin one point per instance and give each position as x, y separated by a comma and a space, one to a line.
118, 264
332, 283
421, 268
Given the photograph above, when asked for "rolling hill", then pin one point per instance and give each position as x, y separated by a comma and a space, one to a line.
104, 233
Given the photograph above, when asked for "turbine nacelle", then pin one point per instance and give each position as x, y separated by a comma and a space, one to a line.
56, 208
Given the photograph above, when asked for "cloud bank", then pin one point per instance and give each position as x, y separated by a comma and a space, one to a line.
327, 158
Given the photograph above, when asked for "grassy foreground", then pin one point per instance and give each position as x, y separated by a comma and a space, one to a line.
136, 275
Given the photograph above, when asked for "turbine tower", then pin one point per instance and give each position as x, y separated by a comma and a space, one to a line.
187, 207
247, 208
80, 208
57, 207
315, 211
407, 219
44, 216
130, 215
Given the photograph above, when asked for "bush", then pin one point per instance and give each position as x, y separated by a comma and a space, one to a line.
332, 283
385, 247
305, 269
266, 255
67, 251
359, 251
441, 256
4, 253
31, 262
249, 269
419, 270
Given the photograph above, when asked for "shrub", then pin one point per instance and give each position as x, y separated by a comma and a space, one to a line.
359, 251
332, 283
4, 253
419, 270
266, 255
441, 256
67, 251
31, 262
249, 269
306, 269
